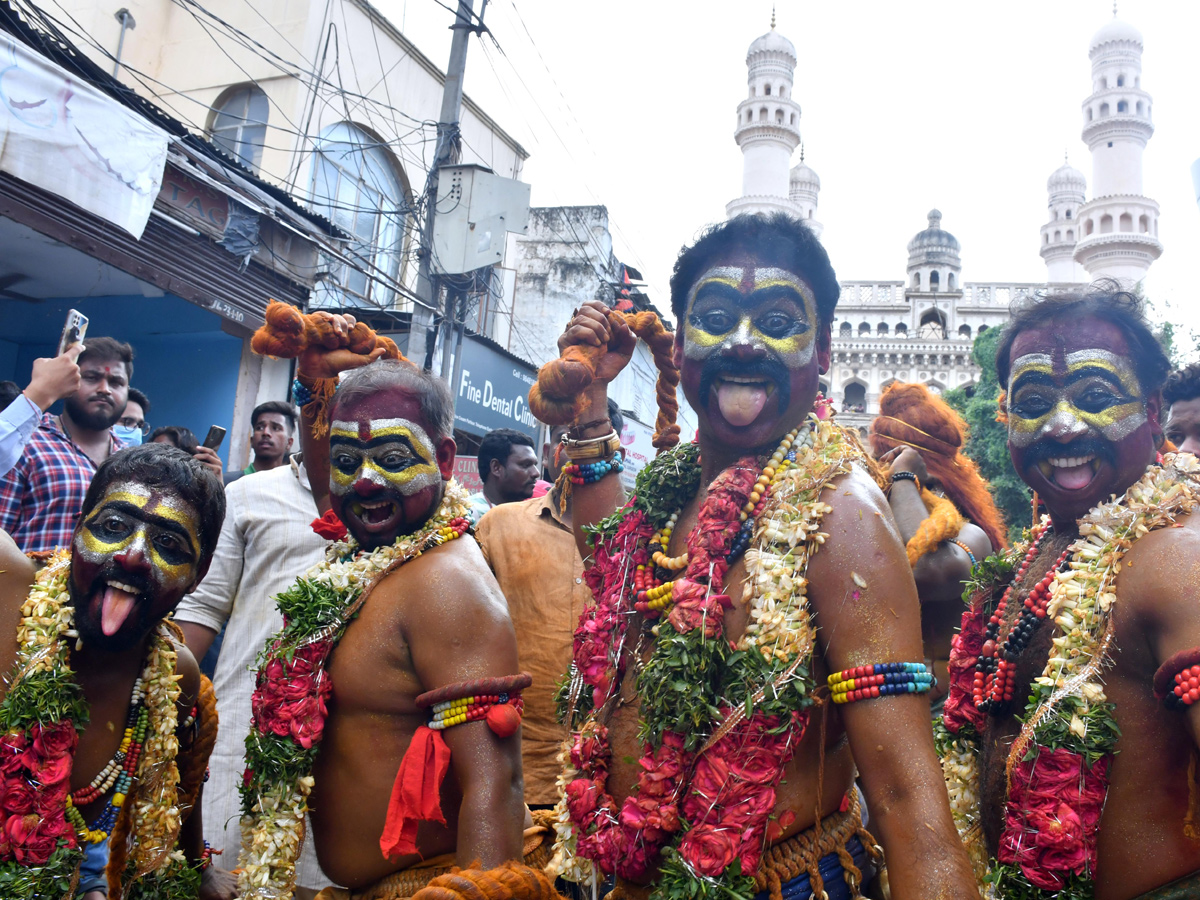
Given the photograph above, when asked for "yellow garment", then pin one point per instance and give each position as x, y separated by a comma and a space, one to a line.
534, 558
539, 843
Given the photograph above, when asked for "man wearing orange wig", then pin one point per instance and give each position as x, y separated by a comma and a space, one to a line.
942, 506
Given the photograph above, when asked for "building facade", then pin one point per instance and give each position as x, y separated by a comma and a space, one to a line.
921, 329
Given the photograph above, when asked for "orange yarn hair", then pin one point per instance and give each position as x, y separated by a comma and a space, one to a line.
510, 881
556, 398
911, 415
942, 524
287, 333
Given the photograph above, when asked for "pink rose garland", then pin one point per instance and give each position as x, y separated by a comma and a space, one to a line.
35, 772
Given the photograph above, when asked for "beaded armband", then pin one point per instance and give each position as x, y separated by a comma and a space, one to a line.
206, 857
1177, 681
906, 476
589, 473
496, 700
301, 395
965, 549
879, 680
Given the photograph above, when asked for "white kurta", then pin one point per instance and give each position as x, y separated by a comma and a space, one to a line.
265, 544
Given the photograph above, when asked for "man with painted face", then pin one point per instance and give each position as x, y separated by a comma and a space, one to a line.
428, 638
118, 725
1076, 668
705, 593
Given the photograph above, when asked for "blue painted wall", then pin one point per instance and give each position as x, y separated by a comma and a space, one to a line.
183, 361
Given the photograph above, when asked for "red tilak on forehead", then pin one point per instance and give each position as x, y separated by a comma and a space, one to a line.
364, 431
747, 283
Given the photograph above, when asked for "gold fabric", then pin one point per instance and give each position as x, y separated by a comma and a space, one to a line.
539, 844
533, 556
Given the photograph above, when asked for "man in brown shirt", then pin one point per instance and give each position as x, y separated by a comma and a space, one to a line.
531, 550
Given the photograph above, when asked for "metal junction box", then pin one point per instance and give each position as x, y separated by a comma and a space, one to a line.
475, 210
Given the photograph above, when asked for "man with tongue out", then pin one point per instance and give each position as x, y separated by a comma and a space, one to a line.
1083, 374
754, 299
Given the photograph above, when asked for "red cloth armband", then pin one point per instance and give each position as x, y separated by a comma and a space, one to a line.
416, 793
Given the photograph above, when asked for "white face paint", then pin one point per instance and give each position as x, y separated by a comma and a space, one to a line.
766, 308
393, 454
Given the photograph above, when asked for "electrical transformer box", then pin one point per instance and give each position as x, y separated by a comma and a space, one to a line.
475, 210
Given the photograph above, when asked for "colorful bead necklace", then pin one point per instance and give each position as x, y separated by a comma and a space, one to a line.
653, 595
995, 670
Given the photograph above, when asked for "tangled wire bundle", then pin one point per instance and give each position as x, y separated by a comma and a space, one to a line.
289, 332
557, 398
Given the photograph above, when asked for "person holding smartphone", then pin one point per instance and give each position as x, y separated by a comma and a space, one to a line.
53, 379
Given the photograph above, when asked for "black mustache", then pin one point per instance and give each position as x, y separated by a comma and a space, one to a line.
1044, 450
766, 368
114, 573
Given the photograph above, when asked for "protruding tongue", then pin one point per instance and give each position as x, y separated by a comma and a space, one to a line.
1073, 477
741, 403
117, 605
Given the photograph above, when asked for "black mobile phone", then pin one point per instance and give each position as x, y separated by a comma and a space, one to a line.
73, 331
213, 439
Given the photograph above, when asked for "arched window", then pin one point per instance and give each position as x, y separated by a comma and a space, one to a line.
779, 117
823, 387
239, 124
964, 331
1103, 110
933, 325
881, 329
901, 330
855, 398
1106, 224
1087, 227
1046, 239
864, 330
793, 122
1139, 107
1120, 81
982, 329
1122, 106
354, 184
934, 280
751, 90
1089, 114
1125, 223
782, 91
846, 330
1057, 236
1144, 224
916, 281
767, 90
762, 114
1070, 234
1068, 214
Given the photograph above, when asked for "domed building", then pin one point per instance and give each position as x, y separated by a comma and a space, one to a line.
922, 328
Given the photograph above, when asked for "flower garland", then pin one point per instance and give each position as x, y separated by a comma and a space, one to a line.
1058, 765
41, 718
720, 720
289, 704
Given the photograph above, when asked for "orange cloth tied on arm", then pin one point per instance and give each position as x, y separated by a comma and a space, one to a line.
416, 793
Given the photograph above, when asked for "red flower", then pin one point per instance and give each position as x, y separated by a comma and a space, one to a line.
290, 700
329, 526
31, 845
51, 800
959, 708
52, 741
18, 798
708, 850
12, 754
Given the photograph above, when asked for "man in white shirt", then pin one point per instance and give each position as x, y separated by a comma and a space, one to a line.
266, 542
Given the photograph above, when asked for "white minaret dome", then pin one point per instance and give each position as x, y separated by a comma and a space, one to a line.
1113, 31
1117, 230
768, 132
933, 258
1066, 178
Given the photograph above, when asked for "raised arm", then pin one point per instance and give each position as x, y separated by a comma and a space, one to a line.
867, 612
591, 326
457, 626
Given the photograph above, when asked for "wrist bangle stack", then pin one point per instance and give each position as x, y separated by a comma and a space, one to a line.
301, 395
592, 448
879, 680
589, 473
906, 476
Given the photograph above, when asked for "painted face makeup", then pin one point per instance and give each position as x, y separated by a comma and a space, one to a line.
375, 466
134, 557
748, 332
1078, 425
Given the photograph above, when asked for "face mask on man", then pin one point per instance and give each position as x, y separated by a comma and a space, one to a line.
129, 436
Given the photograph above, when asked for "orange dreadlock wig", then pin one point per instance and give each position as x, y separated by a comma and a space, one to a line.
911, 415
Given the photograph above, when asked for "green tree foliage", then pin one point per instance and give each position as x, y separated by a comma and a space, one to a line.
988, 443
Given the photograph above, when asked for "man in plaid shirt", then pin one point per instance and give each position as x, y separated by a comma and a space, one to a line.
41, 497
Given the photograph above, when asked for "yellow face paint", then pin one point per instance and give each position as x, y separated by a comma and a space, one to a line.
389, 453
1090, 391
131, 518
769, 308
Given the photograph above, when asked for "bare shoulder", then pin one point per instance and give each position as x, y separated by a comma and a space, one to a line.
1161, 570
16, 569
454, 580
976, 538
859, 517
188, 671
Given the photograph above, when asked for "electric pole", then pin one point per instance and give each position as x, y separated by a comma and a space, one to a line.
447, 152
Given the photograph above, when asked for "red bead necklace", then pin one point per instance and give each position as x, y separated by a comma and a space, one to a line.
995, 669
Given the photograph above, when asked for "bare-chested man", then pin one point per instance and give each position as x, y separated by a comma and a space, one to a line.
434, 620
145, 537
754, 298
1084, 774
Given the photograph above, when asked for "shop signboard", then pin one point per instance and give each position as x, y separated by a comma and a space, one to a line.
493, 391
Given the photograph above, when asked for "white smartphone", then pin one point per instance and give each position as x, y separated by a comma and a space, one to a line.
73, 331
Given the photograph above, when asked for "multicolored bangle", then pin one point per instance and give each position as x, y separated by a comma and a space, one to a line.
495, 700
879, 680
965, 549
589, 473
906, 476
206, 858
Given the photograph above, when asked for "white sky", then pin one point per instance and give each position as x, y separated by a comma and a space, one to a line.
961, 105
